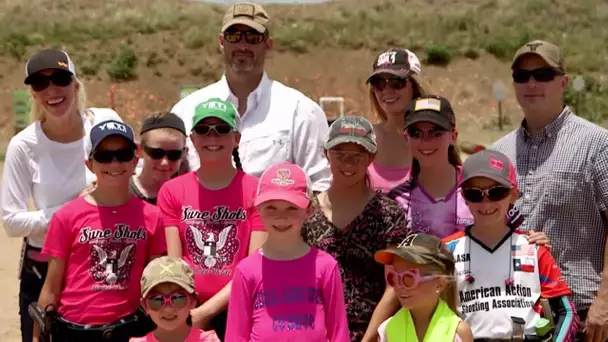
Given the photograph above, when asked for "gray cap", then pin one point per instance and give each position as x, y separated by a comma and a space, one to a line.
352, 129
490, 164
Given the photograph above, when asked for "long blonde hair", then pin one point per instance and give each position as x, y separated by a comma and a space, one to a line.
38, 114
421, 88
449, 294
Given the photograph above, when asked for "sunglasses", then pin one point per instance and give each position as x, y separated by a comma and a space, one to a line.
40, 82
494, 194
159, 153
107, 156
251, 37
380, 83
409, 279
344, 157
417, 133
177, 300
540, 75
221, 129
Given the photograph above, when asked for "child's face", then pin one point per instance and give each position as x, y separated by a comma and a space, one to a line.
348, 163
282, 216
113, 162
214, 140
425, 291
169, 306
162, 153
490, 210
429, 143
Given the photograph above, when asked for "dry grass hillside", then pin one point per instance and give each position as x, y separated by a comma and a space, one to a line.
143, 50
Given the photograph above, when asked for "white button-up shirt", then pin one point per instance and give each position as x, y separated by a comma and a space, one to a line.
281, 124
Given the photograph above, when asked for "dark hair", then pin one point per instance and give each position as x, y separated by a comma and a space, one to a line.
237, 158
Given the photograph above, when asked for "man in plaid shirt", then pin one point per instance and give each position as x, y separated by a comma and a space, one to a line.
562, 169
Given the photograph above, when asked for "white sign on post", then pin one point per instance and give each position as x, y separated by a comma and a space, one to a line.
500, 91
324, 100
578, 84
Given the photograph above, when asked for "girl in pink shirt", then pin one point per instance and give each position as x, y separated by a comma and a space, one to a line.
209, 214
286, 291
98, 246
167, 290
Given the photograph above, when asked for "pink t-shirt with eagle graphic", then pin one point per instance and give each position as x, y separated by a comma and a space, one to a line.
105, 250
214, 225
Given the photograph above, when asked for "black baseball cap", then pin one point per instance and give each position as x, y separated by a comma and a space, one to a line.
48, 59
420, 249
431, 108
490, 164
110, 128
397, 62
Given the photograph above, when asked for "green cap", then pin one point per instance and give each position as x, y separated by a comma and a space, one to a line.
167, 269
216, 108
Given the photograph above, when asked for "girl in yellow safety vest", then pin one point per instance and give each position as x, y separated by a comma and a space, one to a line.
421, 270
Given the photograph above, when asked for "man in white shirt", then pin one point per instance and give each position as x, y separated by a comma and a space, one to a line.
277, 123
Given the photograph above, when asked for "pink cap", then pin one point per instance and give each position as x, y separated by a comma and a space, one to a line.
285, 182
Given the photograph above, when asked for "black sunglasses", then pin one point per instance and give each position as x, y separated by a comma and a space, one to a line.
107, 156
40, 82
417, 133
251, 37
380, 83
221, 129
159, 153
540, 75
494, 194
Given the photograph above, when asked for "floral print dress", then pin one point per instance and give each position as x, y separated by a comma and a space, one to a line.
381, 223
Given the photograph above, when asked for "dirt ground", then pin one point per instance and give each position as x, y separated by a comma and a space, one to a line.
9, 305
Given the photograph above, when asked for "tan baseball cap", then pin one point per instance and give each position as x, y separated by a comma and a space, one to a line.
549, 52
252, 15
167, 269
420, 249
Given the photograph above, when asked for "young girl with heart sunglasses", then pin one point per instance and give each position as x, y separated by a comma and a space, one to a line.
167, 290
421, 270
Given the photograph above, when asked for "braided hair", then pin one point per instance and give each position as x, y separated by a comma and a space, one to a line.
237, 158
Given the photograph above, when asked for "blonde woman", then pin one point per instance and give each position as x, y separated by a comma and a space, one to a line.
45, 163
395, 81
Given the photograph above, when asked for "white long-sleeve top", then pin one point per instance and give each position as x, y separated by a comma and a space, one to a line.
281, 124
49, 172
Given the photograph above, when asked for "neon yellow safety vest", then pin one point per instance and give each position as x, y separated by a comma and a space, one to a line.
441, 328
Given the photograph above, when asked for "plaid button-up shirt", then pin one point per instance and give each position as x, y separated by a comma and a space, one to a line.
562, 174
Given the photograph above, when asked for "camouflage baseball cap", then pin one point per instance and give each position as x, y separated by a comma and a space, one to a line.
549, 52
352, 129
248, 14
420, 249
167, 269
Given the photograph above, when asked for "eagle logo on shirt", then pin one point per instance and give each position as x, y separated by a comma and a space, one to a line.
212, 245
111, 263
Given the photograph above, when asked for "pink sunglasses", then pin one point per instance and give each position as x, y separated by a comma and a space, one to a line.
177, 300
409, 279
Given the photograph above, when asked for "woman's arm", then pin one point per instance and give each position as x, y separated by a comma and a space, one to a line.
18, 220
386, 308
174, 242
49, 295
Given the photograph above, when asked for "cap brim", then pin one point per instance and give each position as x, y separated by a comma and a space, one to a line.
94, 147
428, 116
295, 198
211, 116
404, 73
410, 254
245, 21
371, 148
27, 80
530, 53
177, 282
498, 180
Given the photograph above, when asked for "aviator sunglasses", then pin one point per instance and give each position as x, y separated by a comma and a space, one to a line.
409, 279
177, 300
122, 155
251, 37
540, 75
380, 83
159, 153
494, 194
40, 82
